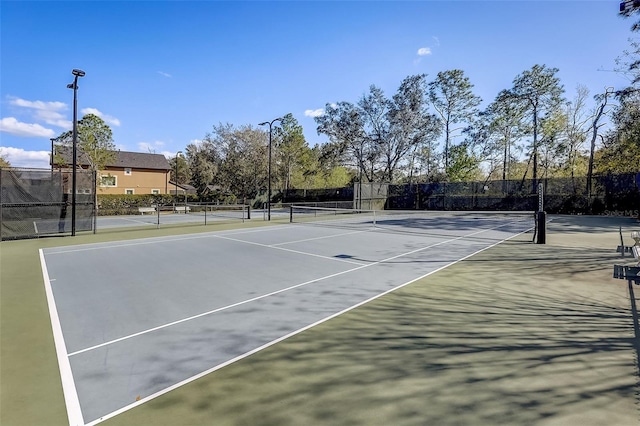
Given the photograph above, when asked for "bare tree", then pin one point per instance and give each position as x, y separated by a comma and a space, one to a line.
540, 92
344, 125
603, 100
497, 130
452, 97
410, 125
575, 130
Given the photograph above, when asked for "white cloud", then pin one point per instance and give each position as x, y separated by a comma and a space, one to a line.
18, 157
436, 41
150, 147
53, 112
424, 51
39, 105
48, 112
314, 112
15, 127
107, 118
164, 74
145, 147
54, 118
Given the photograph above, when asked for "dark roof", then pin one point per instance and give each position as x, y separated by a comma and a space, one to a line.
185, 186
134, 160
140, 160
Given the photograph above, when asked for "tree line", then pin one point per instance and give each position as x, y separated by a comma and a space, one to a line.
431, 131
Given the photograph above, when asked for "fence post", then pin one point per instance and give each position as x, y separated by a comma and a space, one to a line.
95, 201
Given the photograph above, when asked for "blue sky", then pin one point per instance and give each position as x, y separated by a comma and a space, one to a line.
162, 73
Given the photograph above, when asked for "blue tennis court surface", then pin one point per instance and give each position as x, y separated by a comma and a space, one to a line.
135, 319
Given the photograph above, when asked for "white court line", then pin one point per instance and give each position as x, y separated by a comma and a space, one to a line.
135, 220
253, 299
153, 240
316, 238
280, 339
158, 240
273, 246
66, 375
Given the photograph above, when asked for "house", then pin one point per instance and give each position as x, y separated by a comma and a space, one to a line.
129, 173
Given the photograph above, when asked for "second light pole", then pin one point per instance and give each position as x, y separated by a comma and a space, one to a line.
270, 123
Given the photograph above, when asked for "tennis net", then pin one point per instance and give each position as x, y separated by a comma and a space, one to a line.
414, 221
213, 211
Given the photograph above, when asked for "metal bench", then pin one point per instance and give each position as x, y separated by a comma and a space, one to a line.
144, 210
183, 209
630, 273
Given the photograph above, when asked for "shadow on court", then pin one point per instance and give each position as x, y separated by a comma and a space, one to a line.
519, 334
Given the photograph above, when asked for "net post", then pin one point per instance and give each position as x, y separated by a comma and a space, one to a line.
290, 214
621, 241
541, 216
248, 211
206, 207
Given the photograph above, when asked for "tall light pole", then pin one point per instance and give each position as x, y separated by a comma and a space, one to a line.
77, 73
176, 182
270, 123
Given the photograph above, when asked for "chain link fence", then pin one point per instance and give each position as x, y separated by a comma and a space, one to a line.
608, 195
37, 202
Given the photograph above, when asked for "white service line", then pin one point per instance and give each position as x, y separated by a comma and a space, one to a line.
290, 250
316, 238
213, 311
66, 375
150, 240
136, 221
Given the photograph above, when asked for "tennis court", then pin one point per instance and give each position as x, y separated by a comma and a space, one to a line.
135, 319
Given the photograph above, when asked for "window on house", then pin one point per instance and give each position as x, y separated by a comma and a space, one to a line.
128, 191
108, 181
155, 191
127, 171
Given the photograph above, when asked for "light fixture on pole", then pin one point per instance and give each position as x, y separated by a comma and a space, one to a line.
270, 123
77, 73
